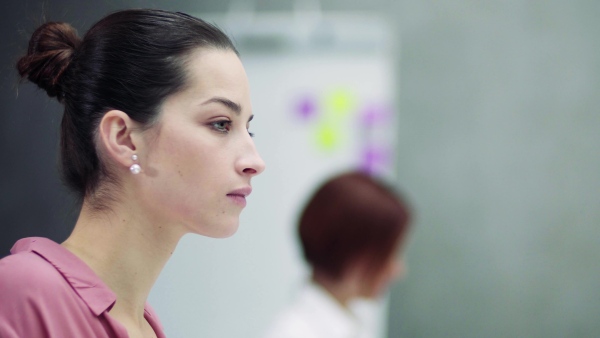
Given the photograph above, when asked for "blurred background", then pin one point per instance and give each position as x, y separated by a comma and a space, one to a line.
494, 140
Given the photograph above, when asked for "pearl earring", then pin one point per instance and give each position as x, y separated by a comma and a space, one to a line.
135, 168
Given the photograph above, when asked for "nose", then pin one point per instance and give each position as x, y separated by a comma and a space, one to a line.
250, 163
399, 269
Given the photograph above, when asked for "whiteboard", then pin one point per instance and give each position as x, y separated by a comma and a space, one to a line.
323, 102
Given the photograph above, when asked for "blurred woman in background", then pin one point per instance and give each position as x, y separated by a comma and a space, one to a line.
352, 231
155, 142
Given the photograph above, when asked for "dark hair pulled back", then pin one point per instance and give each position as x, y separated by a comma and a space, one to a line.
131, 60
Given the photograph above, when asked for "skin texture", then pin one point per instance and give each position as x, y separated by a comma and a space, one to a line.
202, 149
193, 158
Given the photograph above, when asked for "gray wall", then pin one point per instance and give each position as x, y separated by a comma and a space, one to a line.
498, 146
497, 149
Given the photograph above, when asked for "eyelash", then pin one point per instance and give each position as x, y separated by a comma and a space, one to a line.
224, 127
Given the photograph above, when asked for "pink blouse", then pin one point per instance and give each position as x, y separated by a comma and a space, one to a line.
47, 291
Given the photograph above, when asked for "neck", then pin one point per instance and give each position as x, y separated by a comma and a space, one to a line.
126, 250
343, 290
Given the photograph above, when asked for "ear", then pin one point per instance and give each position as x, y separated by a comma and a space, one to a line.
117, 134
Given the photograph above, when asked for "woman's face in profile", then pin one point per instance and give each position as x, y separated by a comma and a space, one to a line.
376, 285
394, 270
201, 157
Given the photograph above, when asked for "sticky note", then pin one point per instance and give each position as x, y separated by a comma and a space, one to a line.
339, 103
306, 107
327, 137
374, 159
376, 114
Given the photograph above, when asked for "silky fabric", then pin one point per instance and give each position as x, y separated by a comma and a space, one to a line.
47, 291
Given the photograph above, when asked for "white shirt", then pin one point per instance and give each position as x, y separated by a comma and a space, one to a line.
316, 314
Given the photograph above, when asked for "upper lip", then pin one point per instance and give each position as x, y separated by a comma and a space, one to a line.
245, 191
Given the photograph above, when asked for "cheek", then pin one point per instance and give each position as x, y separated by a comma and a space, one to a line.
400, 270
178, 171
390, 273
183, 154
394, 271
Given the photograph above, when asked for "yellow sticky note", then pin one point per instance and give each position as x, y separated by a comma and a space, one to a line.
327, 137
340, 102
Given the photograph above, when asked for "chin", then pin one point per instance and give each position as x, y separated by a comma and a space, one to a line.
222, 230
228, 232
375, 292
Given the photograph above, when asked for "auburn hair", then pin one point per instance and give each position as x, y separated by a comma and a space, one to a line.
352, 217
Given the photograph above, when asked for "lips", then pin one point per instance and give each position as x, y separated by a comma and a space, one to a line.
242, 191
238, 196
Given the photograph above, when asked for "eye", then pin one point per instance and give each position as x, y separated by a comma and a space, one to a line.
223, 126
248, 126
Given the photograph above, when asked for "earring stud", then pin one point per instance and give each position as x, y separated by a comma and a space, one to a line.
135, 168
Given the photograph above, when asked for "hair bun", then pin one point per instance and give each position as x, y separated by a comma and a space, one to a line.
50, 51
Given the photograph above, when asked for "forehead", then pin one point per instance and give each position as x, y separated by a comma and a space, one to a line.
216, 72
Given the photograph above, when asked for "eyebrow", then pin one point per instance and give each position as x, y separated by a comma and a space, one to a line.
236, 108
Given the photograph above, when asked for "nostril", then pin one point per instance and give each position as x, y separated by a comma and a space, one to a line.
249, 171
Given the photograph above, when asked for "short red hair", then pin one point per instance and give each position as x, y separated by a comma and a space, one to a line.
352, 217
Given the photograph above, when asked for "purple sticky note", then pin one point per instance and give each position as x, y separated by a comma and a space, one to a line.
375, 159
376, 114
306, 107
